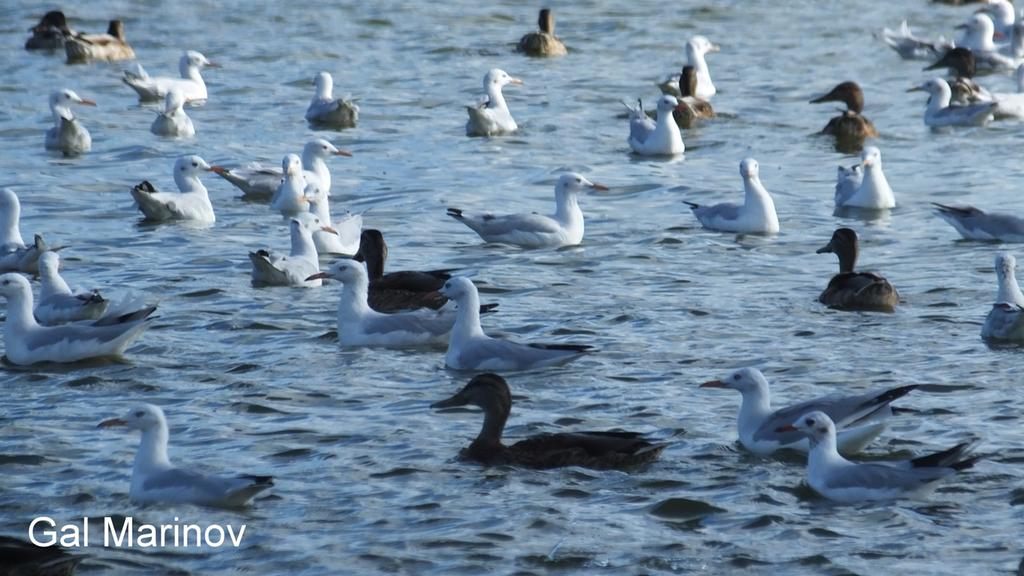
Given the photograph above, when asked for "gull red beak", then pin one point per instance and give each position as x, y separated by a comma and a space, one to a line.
597, 186
786, 428
329, 229
111, 422
713, 384
319, 276
212, 65
87, 102
345, 153
219, 170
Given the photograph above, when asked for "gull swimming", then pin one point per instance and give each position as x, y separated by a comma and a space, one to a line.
1002, 14
155, 479
109, 47
839, 479
851, 124
27, 342
910, 47
491, 117
67, 134
850, 290
962, 64
470, 349
325, 110
939, 113
299, 265
190, 84
978, 38
172, 120
15, 256
542, 43
864, 185
402, 289
1011, 104
563, 228
860, 418
1006, 319
360, 325
661, 139
596, 450
755, 216
974, 224
57, 303
290, 197
51, 32
260, 182
191, 202
696, 50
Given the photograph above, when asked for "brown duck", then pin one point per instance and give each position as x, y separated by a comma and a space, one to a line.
850, 125
852, 290
599, 450
691, 108
543, 43
402, 290
963, 65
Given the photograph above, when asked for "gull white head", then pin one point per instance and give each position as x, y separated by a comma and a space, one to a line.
324, 85
291, 165
979, 32
14, 285
143, 417
174, 100
322, 148
745, 380
193, 59
305, 223
1009, 291
699, 46
1001, 12
10, 214
871, 156
458, 288
348, 272
938, 91
61, 101
574, 183
496, 78
816, 425
749, 168
49, 263
190, 166
666, 104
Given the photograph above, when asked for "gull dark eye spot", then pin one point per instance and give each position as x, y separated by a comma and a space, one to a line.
809, 422
195, 165
735, 376
182, 168
140, 414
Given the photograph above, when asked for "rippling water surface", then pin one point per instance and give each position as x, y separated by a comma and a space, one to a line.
367, 477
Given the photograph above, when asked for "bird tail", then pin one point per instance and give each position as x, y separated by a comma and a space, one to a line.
954, 458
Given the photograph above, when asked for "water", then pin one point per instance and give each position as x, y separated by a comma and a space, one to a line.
367, 480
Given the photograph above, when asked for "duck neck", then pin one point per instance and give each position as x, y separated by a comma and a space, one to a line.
467, 321
495, 98
495, 417
847, 258
1009, 291
315, 164
52, 283
188, 182
152, 454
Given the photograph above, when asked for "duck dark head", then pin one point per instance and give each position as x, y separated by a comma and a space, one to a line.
848, 93
844, 245
484, 391
687, 81
116, 29
52, 19
960, 60
373, 251
546, 21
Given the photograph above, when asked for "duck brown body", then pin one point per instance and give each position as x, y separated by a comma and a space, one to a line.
851, 290
850, 127
691, 107
402, 290
597, 450
542, 43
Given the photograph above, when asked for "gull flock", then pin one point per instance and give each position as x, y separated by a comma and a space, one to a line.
441, 309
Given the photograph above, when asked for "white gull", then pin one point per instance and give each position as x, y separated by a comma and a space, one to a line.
864, 185
260, 182
191, 202
665, 139
1006, 319
755, 216
172, 121
15, 256
67, 134
57, 303
191, 84
325, 110
974, 224
491, 117
939, 113
301, 262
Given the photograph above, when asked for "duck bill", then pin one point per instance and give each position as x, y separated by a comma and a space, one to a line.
824, 249
112, 422
940, 63
820, 99
787, 428
453, 402
344, 153
319, 276
713, 384
597, 186
916, 89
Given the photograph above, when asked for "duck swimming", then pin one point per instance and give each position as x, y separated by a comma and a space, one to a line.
109, 47
67, 134
543, 43
401, 290
961, 62
850, 126
851, 290
596, 450
696, 50
1006, 319
691, 107
51, 32
492, 117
